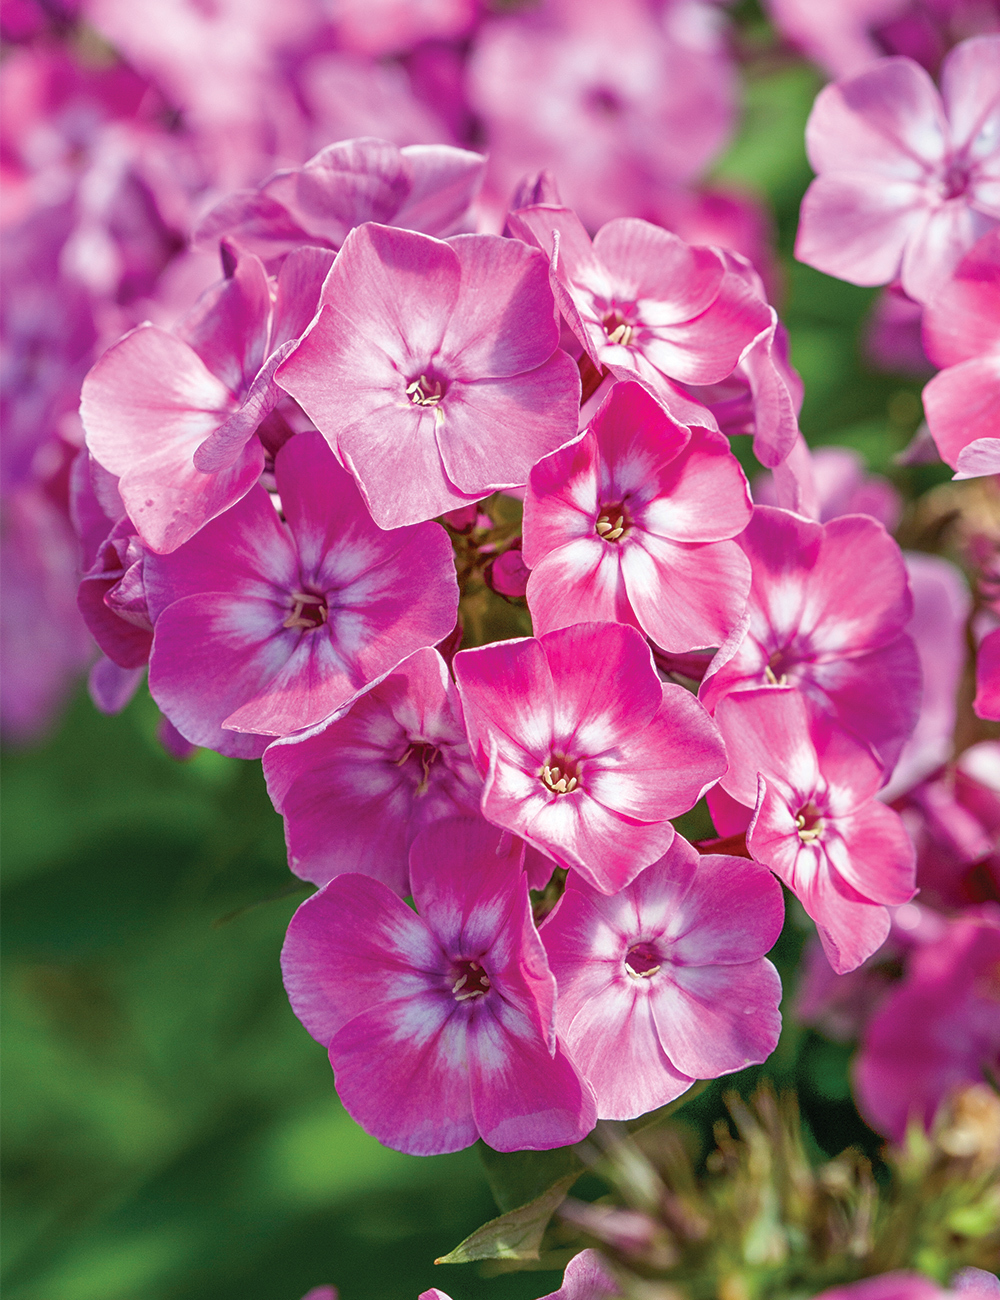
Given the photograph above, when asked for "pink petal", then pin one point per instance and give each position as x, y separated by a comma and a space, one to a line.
938, 244
502, 280
987, 702
686, 596
961, 405
732, 913
971, 94
713, 1020
352, 946
581, 580
873, 852
856, 227
767, 731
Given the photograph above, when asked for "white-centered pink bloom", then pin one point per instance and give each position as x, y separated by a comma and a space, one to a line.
644, 303
665, 981
585, 753
439, 1023
433, 369
907, 179
173, 415
354, 791
425, 187
816, 821
961, 333
829, 604
264, 627
631, 523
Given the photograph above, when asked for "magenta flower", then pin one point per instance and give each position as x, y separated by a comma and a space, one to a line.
962, 335
907, 179
665, 982
424, 187
433, 369
816, 821
439, 1025
828, 607
938, 1030
898, 1285
630, 523
355, 790
173, 415
263, 628
639, 298
585, 753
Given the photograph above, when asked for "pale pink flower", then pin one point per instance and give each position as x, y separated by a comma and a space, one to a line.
433, 369
665, 981
907, 179
354, 791
264, 627
439, 1024
631, 523
816, 822
962, 335
585, 753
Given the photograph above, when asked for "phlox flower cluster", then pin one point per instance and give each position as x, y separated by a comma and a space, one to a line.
291, 483
303, 434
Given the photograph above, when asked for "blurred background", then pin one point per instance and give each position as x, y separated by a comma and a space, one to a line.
170, 1128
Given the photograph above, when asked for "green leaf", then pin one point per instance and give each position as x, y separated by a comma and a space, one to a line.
517, 1234
517, 1177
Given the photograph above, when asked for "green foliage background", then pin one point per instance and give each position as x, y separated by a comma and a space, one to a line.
171, 1131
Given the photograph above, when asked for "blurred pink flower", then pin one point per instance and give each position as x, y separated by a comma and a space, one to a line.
907, 179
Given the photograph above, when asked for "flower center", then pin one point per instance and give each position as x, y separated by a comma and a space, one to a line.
471, 981
425, 391
955, 181
617, 328
560, 775
309, 610
612, 522
642, 961
423, 756
776, 669
810, 824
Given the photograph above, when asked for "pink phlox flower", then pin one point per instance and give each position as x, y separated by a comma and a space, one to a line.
817, 823
843, 487
263, 627
962, 335
173, 414
423, 187
939, 1030
829, 604
433, 369
632, 522
508, 574
354, 791
907, 179
621, 102
646, 305
585, 753
439, 1023
987, 701
665, 982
